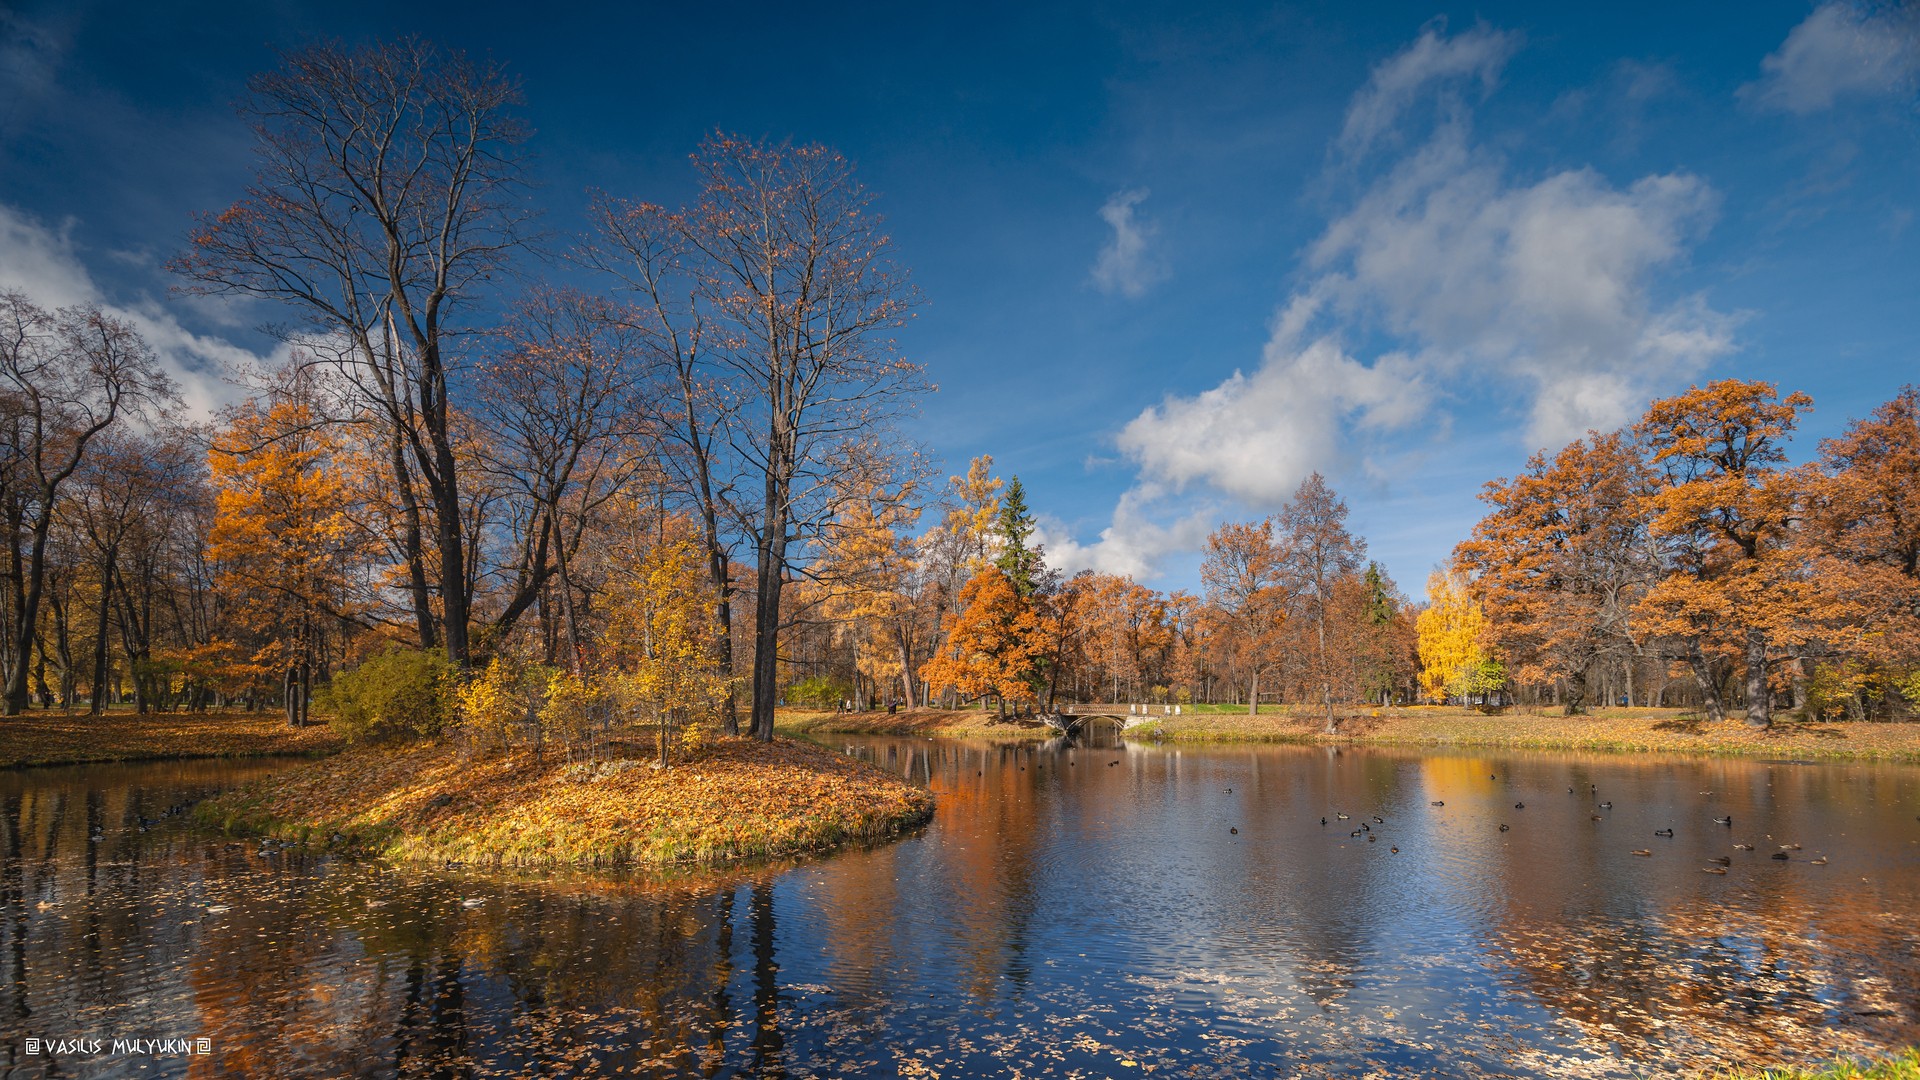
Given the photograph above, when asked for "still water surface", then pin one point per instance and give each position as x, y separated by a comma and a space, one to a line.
1089, 911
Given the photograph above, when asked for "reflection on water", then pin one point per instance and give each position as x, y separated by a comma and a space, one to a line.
1088, 910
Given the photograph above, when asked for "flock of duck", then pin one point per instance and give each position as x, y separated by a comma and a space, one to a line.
1720, 863
99, 832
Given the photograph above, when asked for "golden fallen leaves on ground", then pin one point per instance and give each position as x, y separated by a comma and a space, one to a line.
48, 738
733, 799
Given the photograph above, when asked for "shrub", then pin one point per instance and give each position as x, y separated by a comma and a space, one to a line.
396, 695
581, 711
818, 691
499, 705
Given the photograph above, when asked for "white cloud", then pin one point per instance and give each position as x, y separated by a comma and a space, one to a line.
41, 263
1255, 437
1403, 79
1472, 289
1841, 50
1549, 283
1125, 265
1133, 545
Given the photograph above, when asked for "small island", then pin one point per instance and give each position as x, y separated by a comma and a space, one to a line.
733, 798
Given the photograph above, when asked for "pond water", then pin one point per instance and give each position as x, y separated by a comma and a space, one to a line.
1072, 911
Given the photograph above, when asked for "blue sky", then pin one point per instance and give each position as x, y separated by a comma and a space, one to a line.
1174, 258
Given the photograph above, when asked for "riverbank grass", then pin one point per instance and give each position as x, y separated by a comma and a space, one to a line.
46, 738
1637, 730
951, 723
1903, 1066
733, 799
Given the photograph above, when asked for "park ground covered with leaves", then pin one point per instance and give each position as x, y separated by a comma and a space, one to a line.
1612, 729
965, 723
732, 799
50, 738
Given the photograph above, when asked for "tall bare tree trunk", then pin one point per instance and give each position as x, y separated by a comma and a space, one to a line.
1326, 685
98, 707
1759, 694
906, 668
413, 543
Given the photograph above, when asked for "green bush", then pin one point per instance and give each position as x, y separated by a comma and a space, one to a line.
397, 695
818, 691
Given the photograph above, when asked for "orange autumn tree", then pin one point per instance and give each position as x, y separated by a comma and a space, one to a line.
1862, 534
1562, 559
1722, 510
283, 539
995, 644
1317, 552
1247, 602
1120, 630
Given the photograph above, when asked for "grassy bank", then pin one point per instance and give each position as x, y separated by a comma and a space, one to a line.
1656, 730
735, 799
970, 723
1612, 729
1903, 1066
59, 739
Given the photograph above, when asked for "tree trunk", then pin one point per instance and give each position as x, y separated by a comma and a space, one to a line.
412, 533
906, 666
1253, 695
1709, 687
1576, 693
27, 612
98, 707
766, 630
1759, 695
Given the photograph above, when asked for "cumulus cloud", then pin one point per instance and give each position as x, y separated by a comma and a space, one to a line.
1549, 283
1140, 535
1125, 265
1255, 437
1841, 50
41, 263
1466, 284
1409, 76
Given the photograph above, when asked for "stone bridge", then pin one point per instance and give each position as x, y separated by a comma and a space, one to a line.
1074, 719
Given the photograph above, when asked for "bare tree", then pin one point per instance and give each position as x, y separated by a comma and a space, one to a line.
1318, 552
645, 251
66, 378
564, 406
385, 199
792, 294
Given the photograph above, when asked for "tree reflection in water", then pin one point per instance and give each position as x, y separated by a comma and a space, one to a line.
1072, 908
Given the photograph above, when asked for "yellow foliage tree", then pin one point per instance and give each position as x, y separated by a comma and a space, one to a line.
1452, 660
660, 640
